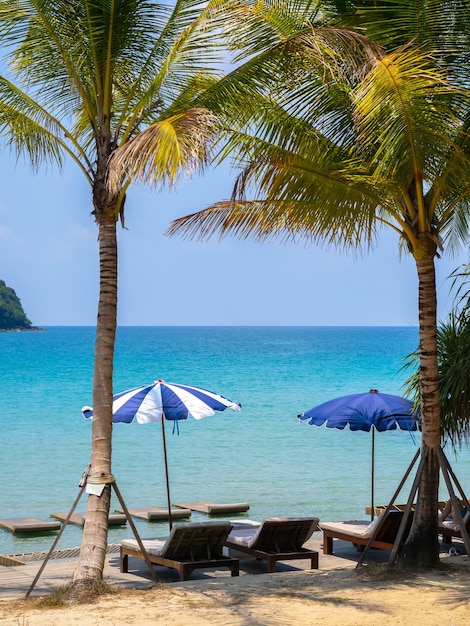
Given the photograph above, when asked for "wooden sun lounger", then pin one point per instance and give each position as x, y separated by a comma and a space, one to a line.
276, 539
214, 508
359, 532
188, 547
450, 528
79, 519
155, 513
381, 508
28, 525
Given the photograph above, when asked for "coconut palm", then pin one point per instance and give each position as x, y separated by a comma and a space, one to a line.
453, 350
116, 87
344, 146
94, 82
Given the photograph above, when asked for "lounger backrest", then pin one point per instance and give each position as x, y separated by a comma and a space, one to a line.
196, 542
284, 534
389, 530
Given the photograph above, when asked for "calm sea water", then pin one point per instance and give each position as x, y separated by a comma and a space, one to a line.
261, 455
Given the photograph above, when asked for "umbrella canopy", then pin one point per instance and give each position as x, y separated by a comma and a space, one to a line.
362, 411
368, 411
171, 401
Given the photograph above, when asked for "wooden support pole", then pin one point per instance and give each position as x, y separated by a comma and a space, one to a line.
82, 485
389, 507
136, 534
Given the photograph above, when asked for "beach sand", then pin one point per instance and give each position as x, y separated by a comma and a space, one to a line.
340, 596
303, 598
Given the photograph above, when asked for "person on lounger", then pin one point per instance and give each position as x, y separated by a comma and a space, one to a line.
449, 513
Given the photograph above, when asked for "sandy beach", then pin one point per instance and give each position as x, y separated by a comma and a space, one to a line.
329, 598
337, 594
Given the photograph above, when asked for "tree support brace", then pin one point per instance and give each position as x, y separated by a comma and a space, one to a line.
449, 476
82, 484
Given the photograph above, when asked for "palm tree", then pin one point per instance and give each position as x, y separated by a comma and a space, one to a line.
99, 83
117, 88
348, 142
453, 349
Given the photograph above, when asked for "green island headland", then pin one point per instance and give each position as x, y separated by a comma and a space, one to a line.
12, 316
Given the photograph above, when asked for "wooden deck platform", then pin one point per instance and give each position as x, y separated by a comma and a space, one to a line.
78, 519
28, 525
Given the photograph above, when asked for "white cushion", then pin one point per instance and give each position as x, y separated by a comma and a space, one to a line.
248, 537
152, 546
355, 528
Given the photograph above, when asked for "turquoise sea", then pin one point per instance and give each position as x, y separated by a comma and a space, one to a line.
261, 455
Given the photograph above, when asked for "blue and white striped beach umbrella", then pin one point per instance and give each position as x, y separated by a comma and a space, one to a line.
162, 401
172, 400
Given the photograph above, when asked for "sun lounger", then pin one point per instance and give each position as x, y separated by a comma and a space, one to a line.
155, 514
381, 508
276, 539
28, 525
213, 508
359, 532
450, 528
188, 547
79, 518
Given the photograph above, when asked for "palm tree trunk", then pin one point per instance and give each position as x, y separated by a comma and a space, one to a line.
422, 546
95, 532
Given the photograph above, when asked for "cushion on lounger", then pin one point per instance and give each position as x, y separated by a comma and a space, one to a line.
191, 541
249, 537
153, 546
355, 528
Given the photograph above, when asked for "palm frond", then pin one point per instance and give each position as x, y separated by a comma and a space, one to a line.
453, 345
304, 75
406, 106
30, 129
264, 24
461, 287
455, 224
323, 196
454, 377
187, 45
274, 220
165, 149
431, 25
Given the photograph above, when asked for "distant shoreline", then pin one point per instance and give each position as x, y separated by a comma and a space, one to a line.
19, 329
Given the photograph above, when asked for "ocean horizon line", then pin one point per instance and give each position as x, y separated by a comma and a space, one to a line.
313, 326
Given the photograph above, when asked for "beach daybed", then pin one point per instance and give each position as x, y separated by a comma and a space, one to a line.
155, 513
188, 547
79, 518
213, 508
276, 539
28, 525
359, 532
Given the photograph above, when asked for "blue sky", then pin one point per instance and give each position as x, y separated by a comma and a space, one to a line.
49, 255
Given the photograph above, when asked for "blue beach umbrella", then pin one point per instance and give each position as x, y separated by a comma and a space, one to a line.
368, 411
162, 401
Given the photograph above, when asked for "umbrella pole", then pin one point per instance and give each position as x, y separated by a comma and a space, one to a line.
166, 473
372, 474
